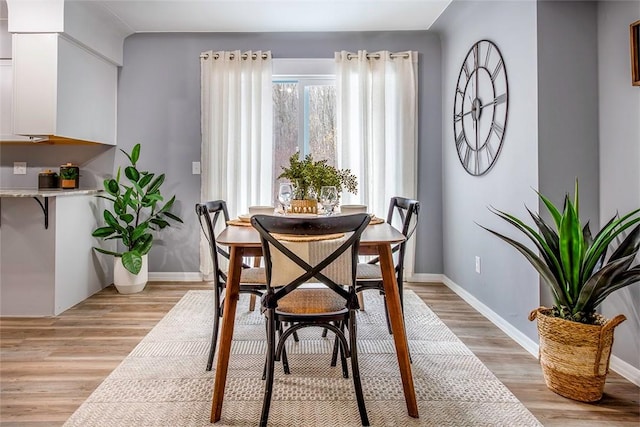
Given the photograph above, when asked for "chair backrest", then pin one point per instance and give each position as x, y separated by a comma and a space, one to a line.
208, 215
271, 229
408, 210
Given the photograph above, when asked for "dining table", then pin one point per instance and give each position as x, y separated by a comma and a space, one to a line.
244, 241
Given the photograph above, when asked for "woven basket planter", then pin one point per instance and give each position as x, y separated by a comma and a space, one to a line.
574, 356
304, 206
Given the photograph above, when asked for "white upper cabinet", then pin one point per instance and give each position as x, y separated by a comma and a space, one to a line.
62, 90
6, 107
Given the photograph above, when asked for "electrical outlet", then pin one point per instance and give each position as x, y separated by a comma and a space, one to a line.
478, 264
195, 168
19, 168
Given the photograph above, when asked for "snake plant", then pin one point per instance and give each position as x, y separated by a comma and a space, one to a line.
137, 210
580, 269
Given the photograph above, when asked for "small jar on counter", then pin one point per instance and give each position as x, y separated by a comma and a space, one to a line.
47, 179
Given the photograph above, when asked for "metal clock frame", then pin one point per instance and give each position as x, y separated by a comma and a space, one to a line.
460, 135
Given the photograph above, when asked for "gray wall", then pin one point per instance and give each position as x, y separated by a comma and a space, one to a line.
568, 107
572, 113
159, 106
619, 104
506, 284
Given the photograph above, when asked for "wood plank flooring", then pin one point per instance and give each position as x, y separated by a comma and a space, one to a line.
49, 366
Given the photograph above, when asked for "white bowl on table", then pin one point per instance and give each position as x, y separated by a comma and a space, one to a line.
261, 210
353, 209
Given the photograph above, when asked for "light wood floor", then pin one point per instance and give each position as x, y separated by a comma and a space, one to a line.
49, 366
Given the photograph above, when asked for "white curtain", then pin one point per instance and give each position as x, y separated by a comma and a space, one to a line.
237, 153
377, 128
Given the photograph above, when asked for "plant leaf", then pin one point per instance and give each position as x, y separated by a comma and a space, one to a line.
172, 216
103, 232
111, 186
104, 251
571, 248
599, 282
625, 279
539, 265
155, 185
132, 173
132, 261
135, 154
145, 180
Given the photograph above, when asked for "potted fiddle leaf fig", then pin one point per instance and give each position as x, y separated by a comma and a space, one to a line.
137, 212
582, 270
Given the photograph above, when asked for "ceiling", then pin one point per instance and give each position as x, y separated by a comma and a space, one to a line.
275, 15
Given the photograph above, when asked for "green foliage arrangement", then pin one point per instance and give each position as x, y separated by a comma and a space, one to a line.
137, 210
573, 263
309, 176
69, 173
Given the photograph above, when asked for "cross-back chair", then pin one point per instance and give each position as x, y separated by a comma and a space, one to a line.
332, 304
252, 280
369, 275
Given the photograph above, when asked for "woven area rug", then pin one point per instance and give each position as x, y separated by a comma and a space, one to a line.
163, 381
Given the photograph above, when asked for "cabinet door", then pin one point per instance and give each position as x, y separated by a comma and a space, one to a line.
34, 83
6, 104
62, 89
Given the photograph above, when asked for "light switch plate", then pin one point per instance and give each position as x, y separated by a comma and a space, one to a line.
195, 168
19, 168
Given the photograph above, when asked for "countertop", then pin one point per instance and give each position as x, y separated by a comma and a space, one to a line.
53, 192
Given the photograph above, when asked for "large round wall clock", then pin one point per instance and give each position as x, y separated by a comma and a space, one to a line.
480, 108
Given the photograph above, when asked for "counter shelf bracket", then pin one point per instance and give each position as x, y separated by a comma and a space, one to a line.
45, 210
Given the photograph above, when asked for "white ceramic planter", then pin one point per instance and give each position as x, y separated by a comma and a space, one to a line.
127, 283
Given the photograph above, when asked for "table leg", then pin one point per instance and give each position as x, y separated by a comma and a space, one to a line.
226, 333
397, 326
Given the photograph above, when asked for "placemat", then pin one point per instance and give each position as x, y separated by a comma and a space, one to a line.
374, 221
302, 238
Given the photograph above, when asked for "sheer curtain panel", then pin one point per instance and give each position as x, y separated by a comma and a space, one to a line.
377, 128
236, 108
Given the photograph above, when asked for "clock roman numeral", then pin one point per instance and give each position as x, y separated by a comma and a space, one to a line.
490, 153
500, 99
459, 140
465, 68
467, 158
497, 129
457, 117
496, 71
476, 55
486, 59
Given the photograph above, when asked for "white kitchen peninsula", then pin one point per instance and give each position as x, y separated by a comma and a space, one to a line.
46, 270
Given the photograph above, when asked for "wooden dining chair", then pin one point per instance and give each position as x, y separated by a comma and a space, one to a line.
252, 280
369, 274
328, 253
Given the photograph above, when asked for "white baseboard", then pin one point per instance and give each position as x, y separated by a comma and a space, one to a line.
616, 364
425, 278
628, 371
525, 342
175, 277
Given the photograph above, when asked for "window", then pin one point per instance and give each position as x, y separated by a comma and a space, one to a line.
304, 110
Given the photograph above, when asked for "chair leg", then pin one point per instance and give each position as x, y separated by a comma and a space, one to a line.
355, 370
214, 340
252, 297
285, 360
360, 296
343, 359
271, 347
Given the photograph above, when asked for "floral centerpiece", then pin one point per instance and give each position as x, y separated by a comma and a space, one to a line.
308, 176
